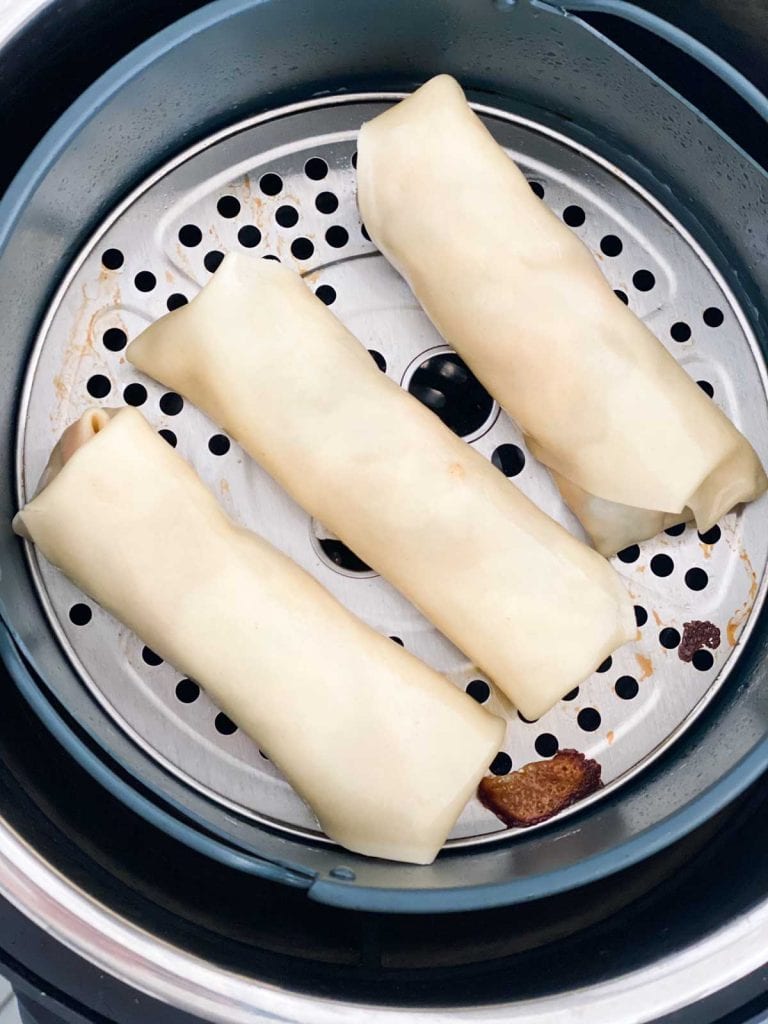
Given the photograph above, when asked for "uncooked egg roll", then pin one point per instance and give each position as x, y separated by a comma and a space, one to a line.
634, 445
264, 357
384, 750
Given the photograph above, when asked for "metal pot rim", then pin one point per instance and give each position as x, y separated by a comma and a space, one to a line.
174, 976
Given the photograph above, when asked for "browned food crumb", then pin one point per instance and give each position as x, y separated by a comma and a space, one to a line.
696, 635
538, 791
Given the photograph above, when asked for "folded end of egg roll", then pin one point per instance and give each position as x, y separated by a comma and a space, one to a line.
633, 442
384, 749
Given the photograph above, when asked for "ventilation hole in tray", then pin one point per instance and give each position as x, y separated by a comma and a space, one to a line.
114, 339
589, 719
379, 359
626, 687
449, 388
302, 248
621, 295
713, 316
149, 657
187, 691
171, 403
537, 188
574, 216
249, 236
364, 232
703, 660
509, 458
696, 579
224, 725
176, 301
501, 764
213, 260
354, 159
675, 531
271, 184
112, 259
662, 565
219, 444
669, 638
611, 245
228, 206
190, 235
629, 555
316, 168
287, 216
706, 387
169, 436
680, 331
711, 536
326, 294
337, 236
98, 386
326, 202
606, 665
397, 640
338, 554
546, 745
479, 690
271, 256
528, 721
134, 394
643, 280
80, 614
145, 281
641, 615
572, 694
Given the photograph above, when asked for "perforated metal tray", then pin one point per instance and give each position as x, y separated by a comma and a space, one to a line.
283, 186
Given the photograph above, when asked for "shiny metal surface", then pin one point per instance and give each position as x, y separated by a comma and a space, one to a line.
14, 14
74, 349
169, 974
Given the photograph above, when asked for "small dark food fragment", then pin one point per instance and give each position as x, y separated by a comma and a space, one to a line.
696, 635
540, 790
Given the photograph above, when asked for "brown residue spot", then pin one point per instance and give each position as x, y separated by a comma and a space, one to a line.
697, 634
645, 665
752, 575
456, 469
610, 737
657, 617
741, 614
540, 790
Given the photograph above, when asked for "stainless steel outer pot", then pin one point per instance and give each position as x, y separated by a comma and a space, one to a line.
197, 953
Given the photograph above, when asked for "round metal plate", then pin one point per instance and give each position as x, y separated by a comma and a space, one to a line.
285, 187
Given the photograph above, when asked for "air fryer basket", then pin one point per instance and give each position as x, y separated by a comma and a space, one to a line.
97, 232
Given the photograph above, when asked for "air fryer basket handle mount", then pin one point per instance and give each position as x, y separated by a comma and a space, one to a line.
678, 38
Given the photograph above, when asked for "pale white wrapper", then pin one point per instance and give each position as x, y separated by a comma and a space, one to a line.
383, 749
634, 444
533, 607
